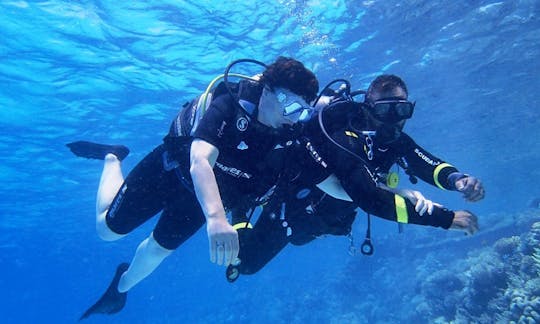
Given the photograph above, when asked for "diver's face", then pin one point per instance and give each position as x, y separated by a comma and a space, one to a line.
387, 132
282, 107
293, 106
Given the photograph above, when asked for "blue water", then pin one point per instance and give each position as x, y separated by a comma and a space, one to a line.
117, 71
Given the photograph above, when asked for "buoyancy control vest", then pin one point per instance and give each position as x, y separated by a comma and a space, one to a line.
183, 126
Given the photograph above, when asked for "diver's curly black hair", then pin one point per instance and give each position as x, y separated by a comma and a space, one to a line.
291, 74
385, 83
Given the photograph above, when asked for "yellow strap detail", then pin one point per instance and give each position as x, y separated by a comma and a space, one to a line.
352, 134
401, 209
238, 226
436, 174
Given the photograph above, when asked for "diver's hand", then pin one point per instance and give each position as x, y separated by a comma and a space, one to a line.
421, 203
465, 221
471, 187
223, 240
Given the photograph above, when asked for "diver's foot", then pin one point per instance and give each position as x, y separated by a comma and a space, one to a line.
232, 273
112, 301
97, 151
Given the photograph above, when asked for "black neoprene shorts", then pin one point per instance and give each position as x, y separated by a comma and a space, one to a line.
149, 189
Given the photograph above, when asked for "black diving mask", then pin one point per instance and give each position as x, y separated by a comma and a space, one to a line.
391, 110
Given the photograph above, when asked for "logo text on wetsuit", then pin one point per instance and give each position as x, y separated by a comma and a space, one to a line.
117, 201
242, 124
425, 158
220, 130
233, 171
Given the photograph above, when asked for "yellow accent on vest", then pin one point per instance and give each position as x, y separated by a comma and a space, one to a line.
238, 226
392, 180
352, 134
401, 209
207, 93
438, 170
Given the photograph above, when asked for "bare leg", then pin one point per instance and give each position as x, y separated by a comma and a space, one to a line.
147, 258
111, 181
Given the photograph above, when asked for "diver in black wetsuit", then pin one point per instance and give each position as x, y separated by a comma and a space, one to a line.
352, 162
208, 160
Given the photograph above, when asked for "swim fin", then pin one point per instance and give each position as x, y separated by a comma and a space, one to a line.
112, 301
97, 151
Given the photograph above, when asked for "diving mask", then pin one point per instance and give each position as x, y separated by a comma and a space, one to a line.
391, 110
293, 105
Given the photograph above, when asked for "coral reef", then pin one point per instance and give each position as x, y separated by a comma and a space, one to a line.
497, 281
500, 283
492, 277
507, 246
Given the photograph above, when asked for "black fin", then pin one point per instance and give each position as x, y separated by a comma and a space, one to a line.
112, 301
97, 151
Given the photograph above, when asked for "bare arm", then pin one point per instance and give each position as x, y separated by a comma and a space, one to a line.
471, 187
332, 186
465, 221
223, 239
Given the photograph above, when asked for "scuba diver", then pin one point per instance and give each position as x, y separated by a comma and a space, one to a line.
346, 152
214, 153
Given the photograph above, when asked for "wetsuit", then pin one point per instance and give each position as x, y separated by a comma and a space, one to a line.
304, 214
162, 182
360, 173
300, 212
